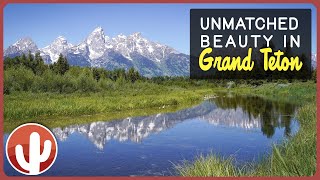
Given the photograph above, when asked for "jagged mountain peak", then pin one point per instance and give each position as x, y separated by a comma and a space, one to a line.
25, 43
25, 40
121, 51
59, 46
61, 39
133, 36
96, 43
136, 35
98, 29
97, 33
22, 46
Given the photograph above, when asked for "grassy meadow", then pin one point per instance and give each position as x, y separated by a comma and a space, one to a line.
53, 110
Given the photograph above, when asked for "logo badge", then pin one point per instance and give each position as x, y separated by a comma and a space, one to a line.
31, 149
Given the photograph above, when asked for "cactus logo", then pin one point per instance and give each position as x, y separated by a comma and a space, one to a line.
31, 149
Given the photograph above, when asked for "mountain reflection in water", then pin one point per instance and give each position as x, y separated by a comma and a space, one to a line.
244, 127
247, 113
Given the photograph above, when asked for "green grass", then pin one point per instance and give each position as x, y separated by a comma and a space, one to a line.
297, 92
53, 109
209, 166
295, 157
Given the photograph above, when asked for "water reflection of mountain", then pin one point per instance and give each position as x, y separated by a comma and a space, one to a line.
234, 111
270, 114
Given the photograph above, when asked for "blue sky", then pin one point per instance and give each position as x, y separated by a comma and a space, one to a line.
164, 23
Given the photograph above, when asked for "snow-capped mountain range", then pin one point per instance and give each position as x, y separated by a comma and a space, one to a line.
98, 50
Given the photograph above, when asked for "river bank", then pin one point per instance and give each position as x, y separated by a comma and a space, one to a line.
295, 157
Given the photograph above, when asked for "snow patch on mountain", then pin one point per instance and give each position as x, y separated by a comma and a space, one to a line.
59, 46
96, 43
314, 61
22, 46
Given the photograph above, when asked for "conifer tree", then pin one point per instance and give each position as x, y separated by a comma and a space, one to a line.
39, 66
61, 66
133, 75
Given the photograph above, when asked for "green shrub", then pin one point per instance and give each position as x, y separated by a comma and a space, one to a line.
18, 79
86, 83
106, 84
